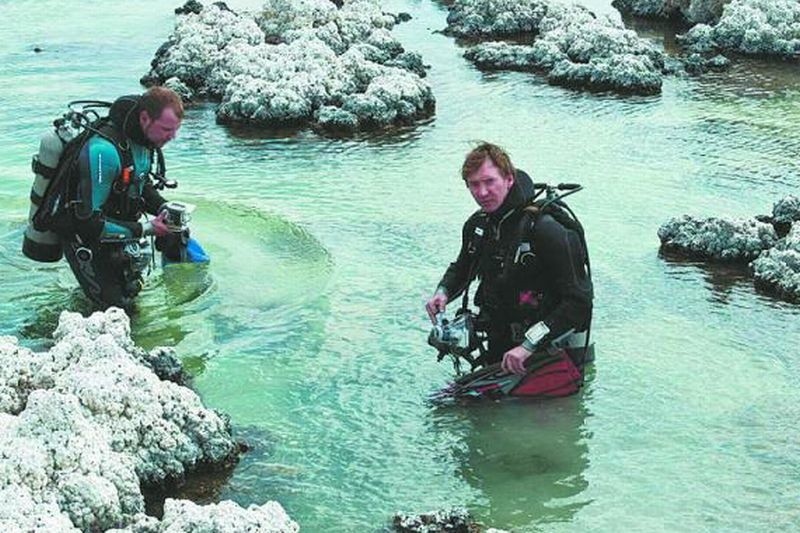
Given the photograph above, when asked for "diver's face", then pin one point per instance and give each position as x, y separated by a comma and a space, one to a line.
489, 186
161, 130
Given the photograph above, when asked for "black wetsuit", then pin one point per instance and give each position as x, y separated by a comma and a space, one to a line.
531, 268
107, 211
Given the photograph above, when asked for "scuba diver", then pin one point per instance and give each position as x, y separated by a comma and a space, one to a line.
535, 292
96, 185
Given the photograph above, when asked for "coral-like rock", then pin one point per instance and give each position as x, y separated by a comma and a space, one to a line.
786, 210
693, 11
182, 515
296, 62
496, 18
186, 94
58, 454
572, 46
83, 425
457, 520
778, 269
752, 27
716, 238
499, 55
20, 511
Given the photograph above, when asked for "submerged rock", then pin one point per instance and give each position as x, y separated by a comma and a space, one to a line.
85, 424
717, 239
778, 269
571, 45
298, 63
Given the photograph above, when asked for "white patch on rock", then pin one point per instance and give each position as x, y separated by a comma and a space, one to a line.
778, 269
716, 238
84, 424
294, 62
572, 46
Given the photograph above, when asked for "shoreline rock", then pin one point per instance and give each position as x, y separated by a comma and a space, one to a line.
84, 425
568, 43
770, 245
304, 63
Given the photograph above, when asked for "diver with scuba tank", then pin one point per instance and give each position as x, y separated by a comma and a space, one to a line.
535, 292
99, 176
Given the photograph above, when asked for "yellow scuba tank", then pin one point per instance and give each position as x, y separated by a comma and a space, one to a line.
45, 246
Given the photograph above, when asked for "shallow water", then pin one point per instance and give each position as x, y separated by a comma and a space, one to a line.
308, 327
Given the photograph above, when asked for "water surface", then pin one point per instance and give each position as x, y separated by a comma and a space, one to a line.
308, 327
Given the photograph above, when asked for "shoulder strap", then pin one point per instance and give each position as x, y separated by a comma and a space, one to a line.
109, 131
474, 248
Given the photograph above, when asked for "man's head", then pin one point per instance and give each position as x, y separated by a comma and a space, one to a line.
161, 115
489, 175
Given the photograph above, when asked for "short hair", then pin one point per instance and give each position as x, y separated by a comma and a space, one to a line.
158, 98
476, 157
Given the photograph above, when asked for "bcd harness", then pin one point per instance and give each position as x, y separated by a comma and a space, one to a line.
56, 208
520, 253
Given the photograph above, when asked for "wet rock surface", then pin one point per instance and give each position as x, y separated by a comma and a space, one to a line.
778, 269
307, 63
568, 43
692, 11
716, 238
450, 520
769, 244
749, 27
84, 425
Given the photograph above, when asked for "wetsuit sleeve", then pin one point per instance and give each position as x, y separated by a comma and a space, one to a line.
457, 275
152, 199
98, 167
563, 256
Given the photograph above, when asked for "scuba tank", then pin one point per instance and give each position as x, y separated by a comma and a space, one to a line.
58, 150
45, 246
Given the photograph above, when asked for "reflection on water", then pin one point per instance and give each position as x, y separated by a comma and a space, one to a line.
526, 458
309, 321
720, 278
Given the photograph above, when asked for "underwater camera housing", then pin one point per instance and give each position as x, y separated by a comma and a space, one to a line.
455, 336
178, 215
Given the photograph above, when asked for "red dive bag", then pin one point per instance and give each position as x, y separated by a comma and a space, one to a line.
555, 376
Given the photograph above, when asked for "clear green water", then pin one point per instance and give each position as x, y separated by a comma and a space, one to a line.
308, 328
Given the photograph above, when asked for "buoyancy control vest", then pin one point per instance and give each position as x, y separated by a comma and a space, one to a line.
505, 258
54, 191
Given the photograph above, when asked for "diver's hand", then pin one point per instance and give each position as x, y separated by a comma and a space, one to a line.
156, 226
436, 305
514, 360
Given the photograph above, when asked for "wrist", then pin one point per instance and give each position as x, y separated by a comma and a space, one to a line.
528, 346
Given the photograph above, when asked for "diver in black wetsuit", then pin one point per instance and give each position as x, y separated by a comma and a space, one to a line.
532, 265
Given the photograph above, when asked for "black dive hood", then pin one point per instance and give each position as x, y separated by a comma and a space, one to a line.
519, 194
124, 113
